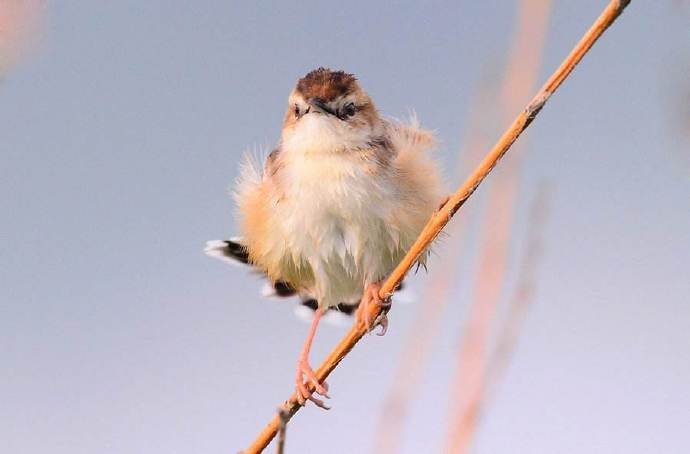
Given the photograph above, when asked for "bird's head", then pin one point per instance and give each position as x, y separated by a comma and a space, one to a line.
329, 112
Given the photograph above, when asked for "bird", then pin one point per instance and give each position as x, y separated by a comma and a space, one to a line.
335, 206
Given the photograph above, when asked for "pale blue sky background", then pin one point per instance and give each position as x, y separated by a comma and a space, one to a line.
119, 140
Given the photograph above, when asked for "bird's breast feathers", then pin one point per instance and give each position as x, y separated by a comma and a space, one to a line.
337, 221
336, 212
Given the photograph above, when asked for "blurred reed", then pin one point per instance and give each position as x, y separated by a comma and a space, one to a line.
524, 61
523, 296
20, 22
282, 429
414, 354
477, 392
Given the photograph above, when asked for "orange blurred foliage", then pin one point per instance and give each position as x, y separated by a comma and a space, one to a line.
524, 60
20, 21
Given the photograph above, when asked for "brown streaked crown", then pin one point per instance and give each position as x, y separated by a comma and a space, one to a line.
326, 84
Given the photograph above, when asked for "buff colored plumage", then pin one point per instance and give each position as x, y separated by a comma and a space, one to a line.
339, 201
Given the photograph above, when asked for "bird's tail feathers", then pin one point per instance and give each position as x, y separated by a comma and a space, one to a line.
229, 251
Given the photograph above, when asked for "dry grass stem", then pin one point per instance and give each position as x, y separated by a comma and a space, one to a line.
524, 58
414, 354
445, 213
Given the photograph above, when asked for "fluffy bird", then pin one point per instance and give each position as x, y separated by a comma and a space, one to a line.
336, 204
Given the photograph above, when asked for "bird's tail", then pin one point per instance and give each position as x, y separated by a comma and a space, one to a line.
234, 252
230, 251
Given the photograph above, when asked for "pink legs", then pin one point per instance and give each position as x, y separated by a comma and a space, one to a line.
305, 370
371, 296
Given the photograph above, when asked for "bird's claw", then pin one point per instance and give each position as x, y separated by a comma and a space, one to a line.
382, 321
303, 392
371, 296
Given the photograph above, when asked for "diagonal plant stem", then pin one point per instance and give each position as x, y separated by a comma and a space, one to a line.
446, 212
521, 69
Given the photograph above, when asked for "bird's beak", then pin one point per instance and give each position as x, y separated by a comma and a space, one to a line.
320, 105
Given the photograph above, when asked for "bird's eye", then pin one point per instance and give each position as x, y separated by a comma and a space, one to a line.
296, 110
348, 110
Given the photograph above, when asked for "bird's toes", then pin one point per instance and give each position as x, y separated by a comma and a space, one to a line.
304, 395
383, 323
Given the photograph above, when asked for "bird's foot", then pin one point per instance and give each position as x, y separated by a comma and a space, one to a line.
371, 296
304, 370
